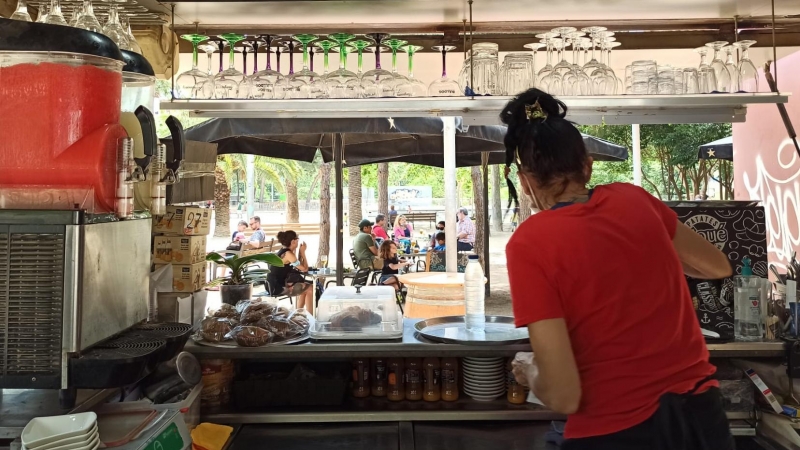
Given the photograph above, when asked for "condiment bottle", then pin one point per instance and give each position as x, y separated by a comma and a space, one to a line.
515, 392
413, 379
396, 389
449, 379
361, 377
432, 374
378, 377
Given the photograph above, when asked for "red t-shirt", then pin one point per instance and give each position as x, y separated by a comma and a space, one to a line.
608, 268
379, 232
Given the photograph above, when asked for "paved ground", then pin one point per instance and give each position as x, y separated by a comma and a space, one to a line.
498, 303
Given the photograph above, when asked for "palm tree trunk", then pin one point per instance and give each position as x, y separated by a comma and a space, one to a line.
497, 205
354, 210
222, 204
324, 212
311, 190
292, 204
383, 188
479, 213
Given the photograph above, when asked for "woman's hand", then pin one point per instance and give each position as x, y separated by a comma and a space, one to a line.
524, 368
303, 247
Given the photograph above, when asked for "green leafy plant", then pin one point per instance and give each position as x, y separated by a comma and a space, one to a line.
239, 273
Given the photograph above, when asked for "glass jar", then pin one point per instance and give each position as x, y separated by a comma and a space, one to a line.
515, 73
431, 378
485, 70
396, 386
361, 378
449, 379
515, 392
379, 377
413, 379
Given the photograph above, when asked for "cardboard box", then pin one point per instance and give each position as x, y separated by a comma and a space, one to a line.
187, 277
182, 307
183, 221
179, 249
739, 230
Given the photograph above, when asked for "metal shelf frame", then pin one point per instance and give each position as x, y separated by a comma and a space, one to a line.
588, 110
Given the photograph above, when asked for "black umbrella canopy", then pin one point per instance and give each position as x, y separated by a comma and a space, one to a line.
719, 149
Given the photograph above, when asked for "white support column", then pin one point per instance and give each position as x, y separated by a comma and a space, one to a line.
637, 155
450, 194
250, 194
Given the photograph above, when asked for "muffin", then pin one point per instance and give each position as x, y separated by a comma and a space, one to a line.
225, 312
246, 336
214, 329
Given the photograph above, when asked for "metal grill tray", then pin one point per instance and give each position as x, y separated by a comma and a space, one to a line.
118, 362
453, 330
233, 344
175, 334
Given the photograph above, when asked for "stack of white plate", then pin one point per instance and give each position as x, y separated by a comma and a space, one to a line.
70, 432
484, 378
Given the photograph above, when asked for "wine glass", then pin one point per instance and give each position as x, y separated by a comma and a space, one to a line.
194, 83
748, 74
343, 83
707, 78
377, 82
593, 63
41, 17
113, 28
54, 16
720, 70
209, 48
135, 47
326, 47
549, 79
535, 47
730, 63
620, 88
291, 86
247, 48
76, 14
227, 82
576, 79
21, 13
413, 87
395, 45
303, 79
263, 82
359, 46
444, 86
563, 67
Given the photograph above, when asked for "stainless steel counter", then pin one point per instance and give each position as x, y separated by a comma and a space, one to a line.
413, 346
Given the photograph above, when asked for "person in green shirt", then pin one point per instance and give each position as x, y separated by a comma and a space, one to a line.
364, 247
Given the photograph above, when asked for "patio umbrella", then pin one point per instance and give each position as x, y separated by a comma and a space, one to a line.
719, 149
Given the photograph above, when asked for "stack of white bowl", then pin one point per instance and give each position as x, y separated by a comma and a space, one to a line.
69, 432
484, 378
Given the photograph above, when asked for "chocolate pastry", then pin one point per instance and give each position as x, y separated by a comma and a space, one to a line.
253, 317
252, 336
214, 329
281, 312
354, 318
226, 312
300, 320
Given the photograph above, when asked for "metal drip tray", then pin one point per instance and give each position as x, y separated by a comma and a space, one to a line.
118, 362
174, 334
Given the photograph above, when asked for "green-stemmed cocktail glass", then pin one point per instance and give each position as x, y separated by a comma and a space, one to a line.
302, 80
343, 83
194, 83
359, 47
412, 87
378, 82
227, 82
263, 82
326, 47
395, 45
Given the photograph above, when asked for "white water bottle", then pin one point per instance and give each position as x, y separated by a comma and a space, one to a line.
474, 294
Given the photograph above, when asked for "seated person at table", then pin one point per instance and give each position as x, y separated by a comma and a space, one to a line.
402, 229
391, 265
364, 247
379, 230
238, 235
258, 237
439, 242
439, 228
289, 279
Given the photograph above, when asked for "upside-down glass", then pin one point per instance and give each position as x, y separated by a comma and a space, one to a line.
563, 67
748, 75
113, 28
54, 16
720, 69
41, 17
194, 83
135, 47
21, 13
263, 82
414, 87
534, 47
87, 19
665, 80
395, 45
359, 46
343, 83
643, 77
326, 47
548, 77
515, 73
302, 80
677, 80
576, 81
292, 87
444, 86
691, 81
247, 48
730, 63
593, 63
485, 65
377, 82
74, 16
226, 83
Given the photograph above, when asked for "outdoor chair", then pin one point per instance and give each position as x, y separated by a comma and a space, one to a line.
356, 265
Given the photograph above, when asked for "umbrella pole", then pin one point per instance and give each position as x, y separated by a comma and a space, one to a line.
450, 201
485, 218
637, 154
337, 159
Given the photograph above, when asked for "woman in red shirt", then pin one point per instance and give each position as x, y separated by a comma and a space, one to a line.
597, 277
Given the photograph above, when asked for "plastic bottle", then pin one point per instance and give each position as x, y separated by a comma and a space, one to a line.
413, 379
474, 295
515, 392
449, 379
748, 325
379, 377
432, 374
396, 386
361, 378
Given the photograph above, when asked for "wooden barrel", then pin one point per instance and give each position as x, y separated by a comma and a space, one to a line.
434, 294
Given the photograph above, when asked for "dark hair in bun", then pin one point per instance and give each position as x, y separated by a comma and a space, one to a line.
286, 237
549, 147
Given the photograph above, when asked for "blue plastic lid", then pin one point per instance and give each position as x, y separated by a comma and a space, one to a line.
474, 257
747, 271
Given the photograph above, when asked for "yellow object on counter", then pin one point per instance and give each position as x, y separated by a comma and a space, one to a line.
210, 436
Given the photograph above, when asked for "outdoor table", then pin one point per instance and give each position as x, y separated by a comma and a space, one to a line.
422, 253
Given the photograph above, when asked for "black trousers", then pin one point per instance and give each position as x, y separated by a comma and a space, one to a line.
464, 247
682, 422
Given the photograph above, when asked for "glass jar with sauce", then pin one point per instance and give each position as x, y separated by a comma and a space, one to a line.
396, 386
413, 379
361, 377
431, 377
378, 373
515, 392
449, 379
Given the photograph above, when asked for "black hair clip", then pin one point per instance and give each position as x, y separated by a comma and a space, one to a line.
535, 111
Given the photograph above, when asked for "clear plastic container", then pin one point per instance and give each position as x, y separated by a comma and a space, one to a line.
60, 124
368, 313
138, 89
